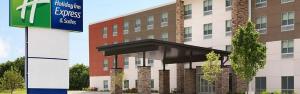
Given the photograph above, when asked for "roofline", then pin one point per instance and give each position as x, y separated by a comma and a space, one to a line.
134, 12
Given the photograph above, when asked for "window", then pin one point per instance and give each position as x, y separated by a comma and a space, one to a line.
126, 28
261, 3
105, 65
126, 40
208, 31
288, 21
126, 83
150, 62
287, 48
165, 36
261, 24
137, 26
228, 26
187, 34
228, 48
228, 5
206, 88
188, 11
114, 63
207, 7
104, 32
115, 30
105, 84
150, 23
136, 83
152, 83
260, 85
137, 61
287, 1
138, 38
151, 37
164, 19
287, 85
126, 62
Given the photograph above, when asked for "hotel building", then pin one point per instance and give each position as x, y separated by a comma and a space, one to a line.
211, 24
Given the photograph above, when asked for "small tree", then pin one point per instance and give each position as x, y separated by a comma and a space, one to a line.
79, 77
211, 68
248, 54
11, 80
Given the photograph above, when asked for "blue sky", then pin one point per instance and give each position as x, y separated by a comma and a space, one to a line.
12, 39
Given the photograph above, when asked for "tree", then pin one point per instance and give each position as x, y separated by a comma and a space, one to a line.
18, 64
211, 68
248, 54
79, 77
11, 80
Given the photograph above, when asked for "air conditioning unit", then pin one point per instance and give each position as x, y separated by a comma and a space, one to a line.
137, 29
149, 27
164, 24
287, 27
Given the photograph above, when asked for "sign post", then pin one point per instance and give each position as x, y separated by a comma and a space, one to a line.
47, 43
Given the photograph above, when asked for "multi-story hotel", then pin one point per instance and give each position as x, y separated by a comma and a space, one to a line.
207, 23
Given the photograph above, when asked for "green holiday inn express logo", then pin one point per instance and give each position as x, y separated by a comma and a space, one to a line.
30, 13
58, 14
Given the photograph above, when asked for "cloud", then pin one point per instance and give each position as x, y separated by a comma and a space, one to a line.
4, 47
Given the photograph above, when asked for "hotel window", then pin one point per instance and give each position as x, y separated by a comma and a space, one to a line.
261, 3
287, 48
104, 32
150, 62
260, 85
137, 26
228, 5
105, 64
188, 11
286, 1
138, 38
228, 25
288, 21
207, 31
126, 28
151, 37
126, 84
137, 61
164, 19
105, 84
287, 85
126, 40
150, 22
206, 88
115, 30
187, 34
228, 48
152, 83
207, 7
261, 24
126, 62
165, 36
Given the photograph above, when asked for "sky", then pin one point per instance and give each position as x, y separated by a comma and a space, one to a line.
12, 40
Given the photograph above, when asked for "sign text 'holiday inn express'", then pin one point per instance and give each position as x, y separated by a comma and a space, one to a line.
56, 14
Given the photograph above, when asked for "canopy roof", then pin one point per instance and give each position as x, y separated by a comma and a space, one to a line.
169, 52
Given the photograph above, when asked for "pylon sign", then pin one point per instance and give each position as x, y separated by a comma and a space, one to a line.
56, 14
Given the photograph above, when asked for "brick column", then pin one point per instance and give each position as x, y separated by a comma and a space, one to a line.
116, 81
240, 13
180, 39
164, 81
190, 81
144, 80
222, 84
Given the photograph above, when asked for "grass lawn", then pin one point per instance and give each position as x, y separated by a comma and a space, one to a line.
18, 91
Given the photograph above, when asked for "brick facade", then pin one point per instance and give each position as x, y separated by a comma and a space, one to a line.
180, 39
